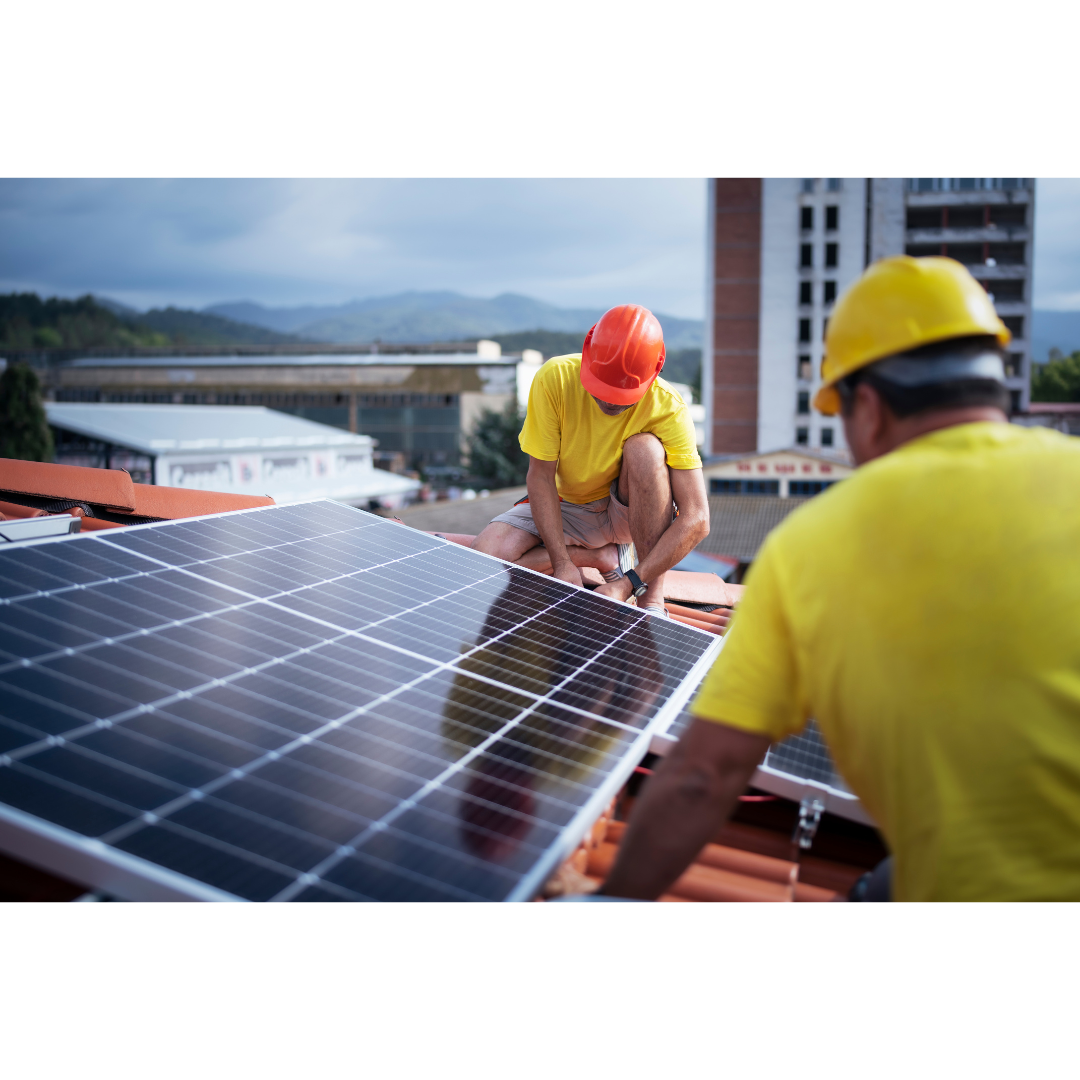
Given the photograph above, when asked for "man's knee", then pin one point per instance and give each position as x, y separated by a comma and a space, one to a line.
644, 453
504, 541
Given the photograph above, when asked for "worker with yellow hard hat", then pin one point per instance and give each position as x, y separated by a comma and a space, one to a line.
925, 611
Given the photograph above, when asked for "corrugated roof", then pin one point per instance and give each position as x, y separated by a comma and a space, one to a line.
285, 360
738, 524
158, 429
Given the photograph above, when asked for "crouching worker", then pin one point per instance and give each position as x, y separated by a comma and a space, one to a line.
612, 461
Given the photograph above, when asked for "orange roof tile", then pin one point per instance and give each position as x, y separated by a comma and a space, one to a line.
113, 490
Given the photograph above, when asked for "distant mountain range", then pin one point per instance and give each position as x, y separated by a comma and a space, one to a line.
516, 321
434, 316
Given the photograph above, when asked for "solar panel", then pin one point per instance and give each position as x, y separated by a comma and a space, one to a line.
799, 767
313, 703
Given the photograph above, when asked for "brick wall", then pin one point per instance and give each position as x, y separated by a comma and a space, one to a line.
736, 303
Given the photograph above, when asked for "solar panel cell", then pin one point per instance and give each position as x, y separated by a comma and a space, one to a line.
305, 702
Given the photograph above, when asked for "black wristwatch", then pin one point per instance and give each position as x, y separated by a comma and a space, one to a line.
638, 587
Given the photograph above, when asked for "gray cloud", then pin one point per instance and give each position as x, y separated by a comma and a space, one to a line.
1057, 245
576, 243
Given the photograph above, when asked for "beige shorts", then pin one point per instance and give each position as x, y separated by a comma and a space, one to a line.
588, 525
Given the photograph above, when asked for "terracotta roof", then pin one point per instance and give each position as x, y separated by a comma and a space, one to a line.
104, 498
738, 524
722, 872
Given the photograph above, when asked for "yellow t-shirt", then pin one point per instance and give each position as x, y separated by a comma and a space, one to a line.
564, 424
926, 611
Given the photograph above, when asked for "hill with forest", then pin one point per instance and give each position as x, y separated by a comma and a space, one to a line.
28, 323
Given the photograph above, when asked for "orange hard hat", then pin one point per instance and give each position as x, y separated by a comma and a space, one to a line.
622, 355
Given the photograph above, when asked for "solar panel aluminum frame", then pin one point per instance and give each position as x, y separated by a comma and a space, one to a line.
98, 866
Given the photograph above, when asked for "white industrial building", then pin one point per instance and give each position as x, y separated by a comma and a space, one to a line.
781, 250
245, 450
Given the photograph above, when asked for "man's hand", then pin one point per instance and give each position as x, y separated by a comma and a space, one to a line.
568, 572
617, 590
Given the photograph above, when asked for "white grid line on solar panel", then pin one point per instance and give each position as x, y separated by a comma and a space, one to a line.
304, 739
163, 704
152, 543
419, 841
407, 804
165, 700
63, 625
80, 556
313, 649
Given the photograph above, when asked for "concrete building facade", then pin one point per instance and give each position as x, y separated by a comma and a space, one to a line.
419, 408
780, 251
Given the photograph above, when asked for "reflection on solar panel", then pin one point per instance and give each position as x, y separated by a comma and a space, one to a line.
312, 703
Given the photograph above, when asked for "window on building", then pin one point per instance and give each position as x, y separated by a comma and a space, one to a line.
830, 291
808, 487
834, 184
924, 217
967, 184
968, 254
1014, 365
804, 331
918, 251
824, 328
1009, 214
806, 292
722, 486
1015, 323
1014, 399
805, 370
806, 218
808, 187
832, 255
966, 217
1007, 254
802, 436
826, 436
832, 218
1005, 290
802, 403
806, 256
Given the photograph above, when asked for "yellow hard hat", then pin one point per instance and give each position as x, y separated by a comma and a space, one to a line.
900, 304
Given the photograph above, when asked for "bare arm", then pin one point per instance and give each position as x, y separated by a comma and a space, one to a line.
544, 502
686, 531
682, 807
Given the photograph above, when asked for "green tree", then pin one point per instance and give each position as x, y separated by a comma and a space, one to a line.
24, 429
1058, 380
495, 458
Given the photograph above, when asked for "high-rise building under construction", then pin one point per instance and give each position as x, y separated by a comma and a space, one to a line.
781, 251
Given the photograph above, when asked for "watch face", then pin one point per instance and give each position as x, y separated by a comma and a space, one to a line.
641, 590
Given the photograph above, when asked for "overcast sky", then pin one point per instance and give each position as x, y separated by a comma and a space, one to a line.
575, 243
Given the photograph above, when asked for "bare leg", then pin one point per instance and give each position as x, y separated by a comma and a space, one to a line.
603, 559
645, 487
508, 542
505, 541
